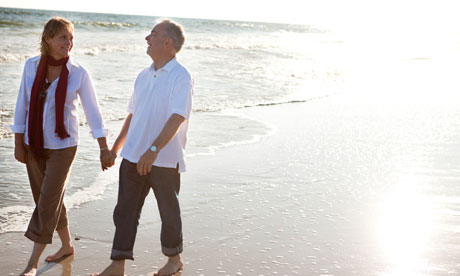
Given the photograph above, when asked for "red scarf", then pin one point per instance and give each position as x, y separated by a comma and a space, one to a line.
36, 105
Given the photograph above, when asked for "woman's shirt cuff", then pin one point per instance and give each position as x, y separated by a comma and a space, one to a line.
99, 133
17, 128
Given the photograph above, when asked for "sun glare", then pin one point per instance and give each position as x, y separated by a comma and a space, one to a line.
404, 228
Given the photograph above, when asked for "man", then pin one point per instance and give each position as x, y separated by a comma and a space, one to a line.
154, 137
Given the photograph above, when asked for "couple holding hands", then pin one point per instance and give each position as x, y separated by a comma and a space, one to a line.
152, 142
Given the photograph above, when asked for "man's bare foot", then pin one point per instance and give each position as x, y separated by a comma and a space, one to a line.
116, 268
29, 271
61, 253
173, 266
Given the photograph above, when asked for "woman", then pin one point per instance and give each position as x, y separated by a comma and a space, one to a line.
46, 134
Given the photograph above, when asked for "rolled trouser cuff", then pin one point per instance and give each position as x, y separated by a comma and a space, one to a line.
171, 252
38, 239
118, 255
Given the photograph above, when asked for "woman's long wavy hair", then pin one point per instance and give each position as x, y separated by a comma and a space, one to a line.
53, 27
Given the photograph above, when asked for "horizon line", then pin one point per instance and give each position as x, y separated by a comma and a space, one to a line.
163, 16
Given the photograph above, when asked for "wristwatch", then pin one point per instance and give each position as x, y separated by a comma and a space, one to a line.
154, 149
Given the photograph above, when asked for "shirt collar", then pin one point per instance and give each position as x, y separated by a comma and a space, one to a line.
168, 67
70, 63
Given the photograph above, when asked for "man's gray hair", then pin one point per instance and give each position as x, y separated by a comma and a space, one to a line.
174, 31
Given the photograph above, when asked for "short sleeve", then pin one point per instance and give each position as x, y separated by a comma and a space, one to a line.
130, 108
181, 99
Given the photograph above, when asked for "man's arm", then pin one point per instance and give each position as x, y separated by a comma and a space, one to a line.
121, 138
168, 132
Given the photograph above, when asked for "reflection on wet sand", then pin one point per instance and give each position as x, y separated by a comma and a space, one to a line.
66, 264
178, 273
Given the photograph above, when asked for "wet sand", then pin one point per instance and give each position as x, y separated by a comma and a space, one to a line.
339, 188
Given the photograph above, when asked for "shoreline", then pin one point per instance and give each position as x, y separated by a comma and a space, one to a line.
317, 197
92, 224
87, 182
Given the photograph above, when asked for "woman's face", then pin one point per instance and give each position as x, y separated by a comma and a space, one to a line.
61, 44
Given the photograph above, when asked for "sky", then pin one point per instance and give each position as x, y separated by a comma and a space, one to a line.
414, 24
323, 12
245, 10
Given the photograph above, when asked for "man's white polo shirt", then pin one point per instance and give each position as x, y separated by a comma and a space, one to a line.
157, 95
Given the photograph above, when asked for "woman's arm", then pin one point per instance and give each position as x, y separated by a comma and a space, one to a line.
91, 108
20, 117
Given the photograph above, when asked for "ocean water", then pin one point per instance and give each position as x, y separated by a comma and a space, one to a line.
235, 65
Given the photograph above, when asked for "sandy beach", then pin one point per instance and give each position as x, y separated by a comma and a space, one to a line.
313, 150
339, 187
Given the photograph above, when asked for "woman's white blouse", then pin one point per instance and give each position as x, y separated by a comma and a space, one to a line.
79, 85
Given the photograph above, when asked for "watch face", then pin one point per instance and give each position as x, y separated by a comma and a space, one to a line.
153, 148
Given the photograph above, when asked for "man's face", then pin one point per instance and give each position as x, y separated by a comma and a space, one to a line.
156, 41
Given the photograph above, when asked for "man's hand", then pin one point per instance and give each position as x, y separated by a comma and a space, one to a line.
20, 152
106, 159
144, 166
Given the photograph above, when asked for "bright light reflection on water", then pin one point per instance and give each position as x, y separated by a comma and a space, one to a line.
404, 228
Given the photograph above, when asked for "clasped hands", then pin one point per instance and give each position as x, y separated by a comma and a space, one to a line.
144, 166
107, 158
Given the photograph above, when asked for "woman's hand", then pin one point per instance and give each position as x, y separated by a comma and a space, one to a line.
114, 156
20, 152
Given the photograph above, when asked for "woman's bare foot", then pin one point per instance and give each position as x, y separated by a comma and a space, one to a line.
29, 271
32, 264
173, 265
116, 268
61, 253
